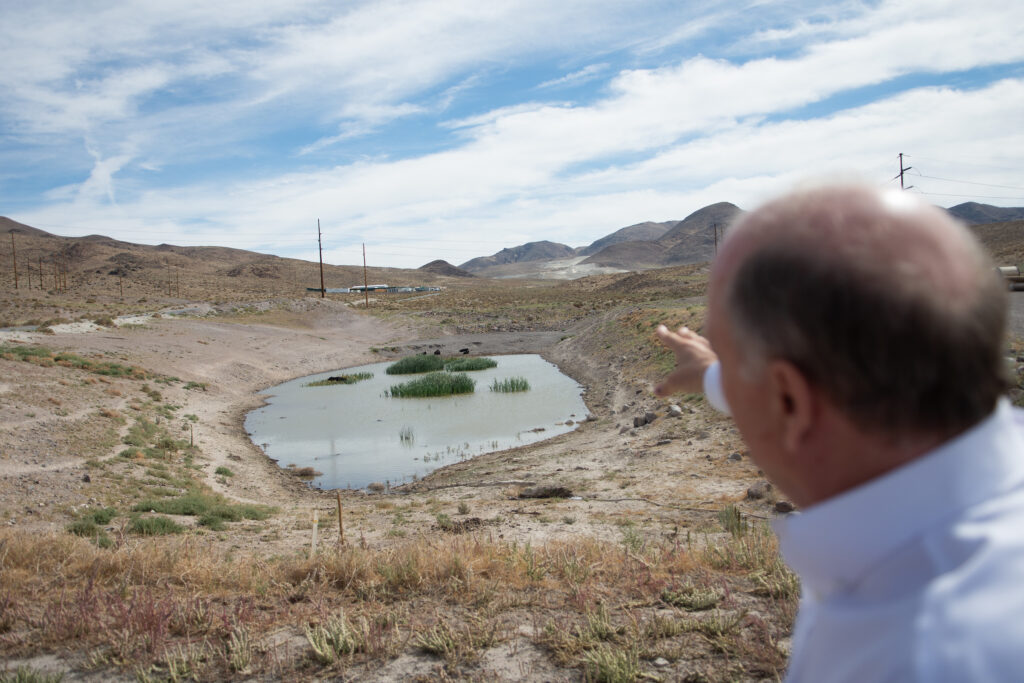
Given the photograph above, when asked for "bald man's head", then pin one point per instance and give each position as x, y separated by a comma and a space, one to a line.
883, 302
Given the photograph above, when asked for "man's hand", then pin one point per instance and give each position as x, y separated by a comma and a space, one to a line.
693, 356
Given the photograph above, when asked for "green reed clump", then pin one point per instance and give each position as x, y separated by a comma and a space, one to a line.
341, 379
434, 384
510, 384
410, 365
470, 364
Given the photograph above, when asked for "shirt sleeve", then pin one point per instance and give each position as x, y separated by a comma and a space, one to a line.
713, 388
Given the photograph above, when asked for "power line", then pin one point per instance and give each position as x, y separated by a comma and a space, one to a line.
969, 182
970, 196
967, 163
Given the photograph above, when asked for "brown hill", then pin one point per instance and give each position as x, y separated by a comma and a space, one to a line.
442, 267
531, 251
690, 240
102, 268
974, 213
641, 232
1003, 240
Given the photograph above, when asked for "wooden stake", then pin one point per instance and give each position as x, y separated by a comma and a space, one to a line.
316, 526
341, 522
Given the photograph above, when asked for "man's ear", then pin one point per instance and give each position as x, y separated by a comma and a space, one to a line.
794, 401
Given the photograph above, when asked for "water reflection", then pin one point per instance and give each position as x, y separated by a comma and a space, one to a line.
354, 435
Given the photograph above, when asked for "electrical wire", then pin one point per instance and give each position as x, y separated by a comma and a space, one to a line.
967, 182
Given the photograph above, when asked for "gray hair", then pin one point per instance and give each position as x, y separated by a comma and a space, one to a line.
895, 348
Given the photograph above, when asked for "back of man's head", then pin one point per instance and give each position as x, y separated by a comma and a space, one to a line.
886, 304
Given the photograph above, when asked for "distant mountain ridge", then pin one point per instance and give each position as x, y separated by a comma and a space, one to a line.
641, 232
974, 213
636, 247
442, 267
531, 251
659, 244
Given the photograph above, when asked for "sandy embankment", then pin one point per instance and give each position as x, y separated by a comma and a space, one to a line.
675, 463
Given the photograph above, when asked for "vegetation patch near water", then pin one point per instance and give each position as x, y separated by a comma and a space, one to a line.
510, 385
341, 379
434, 384
470, 364
411, 365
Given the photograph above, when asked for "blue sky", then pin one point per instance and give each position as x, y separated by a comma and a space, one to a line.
453, 128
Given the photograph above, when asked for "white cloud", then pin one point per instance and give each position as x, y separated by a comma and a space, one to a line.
657, 142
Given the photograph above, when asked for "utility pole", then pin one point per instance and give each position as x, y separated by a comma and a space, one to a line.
14, 257
320, 243
902, 171
366, 285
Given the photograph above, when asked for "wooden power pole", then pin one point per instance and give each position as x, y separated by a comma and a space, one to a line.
14, 257
366, 284
902, 171
320, 244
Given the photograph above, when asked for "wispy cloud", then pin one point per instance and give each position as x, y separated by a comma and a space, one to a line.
424, 123
584, 75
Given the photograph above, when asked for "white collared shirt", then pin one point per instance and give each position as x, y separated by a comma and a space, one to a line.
917, 575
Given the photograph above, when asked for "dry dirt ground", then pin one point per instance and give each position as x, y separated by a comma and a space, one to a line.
114, 415
64, 431
52, 423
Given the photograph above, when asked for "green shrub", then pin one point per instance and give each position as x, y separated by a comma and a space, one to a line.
155, 526
205, 507
434, 384
101, 515
224, 471
510, 384
83, 527
411, 365
470, 364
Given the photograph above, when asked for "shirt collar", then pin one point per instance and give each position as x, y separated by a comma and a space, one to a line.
834, 543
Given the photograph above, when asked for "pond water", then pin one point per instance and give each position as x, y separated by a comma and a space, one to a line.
354, 434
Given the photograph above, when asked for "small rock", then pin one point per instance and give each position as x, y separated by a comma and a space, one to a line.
661, 662
784, 507
623, 430
675, 411
650, 417
759, 490
735, 457
569, 423
86, 478
639, 421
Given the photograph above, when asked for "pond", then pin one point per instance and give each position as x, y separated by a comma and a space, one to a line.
355, 434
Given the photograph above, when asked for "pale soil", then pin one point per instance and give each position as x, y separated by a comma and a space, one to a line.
665, 479
50, 425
